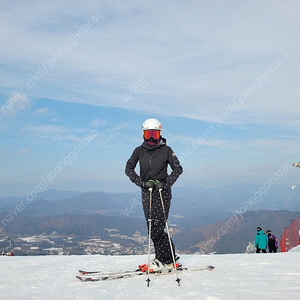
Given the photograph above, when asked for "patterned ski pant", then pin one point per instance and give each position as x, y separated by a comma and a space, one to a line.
158, 235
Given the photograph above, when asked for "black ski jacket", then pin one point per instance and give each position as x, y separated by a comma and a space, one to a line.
153, 162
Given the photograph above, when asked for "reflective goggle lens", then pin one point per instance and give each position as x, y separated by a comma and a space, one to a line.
152, 133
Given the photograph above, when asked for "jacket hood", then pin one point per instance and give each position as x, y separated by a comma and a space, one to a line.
260, 232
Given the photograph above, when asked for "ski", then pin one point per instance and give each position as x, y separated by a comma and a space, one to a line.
82, 272
107, 277
88, 276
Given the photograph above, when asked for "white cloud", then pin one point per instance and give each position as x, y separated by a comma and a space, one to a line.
42, 111
98, 123
278, 145
196, 56
24, 151
67, 134
53, 132
16, 103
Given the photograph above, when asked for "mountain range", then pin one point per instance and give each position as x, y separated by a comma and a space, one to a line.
222, 220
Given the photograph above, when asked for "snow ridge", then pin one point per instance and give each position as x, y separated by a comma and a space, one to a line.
237, 276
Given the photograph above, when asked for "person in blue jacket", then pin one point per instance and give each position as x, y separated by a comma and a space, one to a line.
261, 241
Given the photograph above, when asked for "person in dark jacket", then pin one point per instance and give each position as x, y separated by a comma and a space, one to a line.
261, 241
272, 242
154, 157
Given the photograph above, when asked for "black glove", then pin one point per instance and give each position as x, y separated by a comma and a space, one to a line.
149, 184
159, 185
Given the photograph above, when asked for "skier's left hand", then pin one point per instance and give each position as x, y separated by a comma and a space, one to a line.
159, 185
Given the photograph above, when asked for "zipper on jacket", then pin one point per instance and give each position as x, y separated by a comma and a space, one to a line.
150, 164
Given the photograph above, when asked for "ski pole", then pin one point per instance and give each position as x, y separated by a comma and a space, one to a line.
169, 236
149, 241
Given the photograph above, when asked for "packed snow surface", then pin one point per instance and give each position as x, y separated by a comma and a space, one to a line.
236, 276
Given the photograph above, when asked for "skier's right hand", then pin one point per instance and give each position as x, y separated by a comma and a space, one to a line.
149, 184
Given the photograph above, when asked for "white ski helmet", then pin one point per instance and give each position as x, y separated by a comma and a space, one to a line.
152, 124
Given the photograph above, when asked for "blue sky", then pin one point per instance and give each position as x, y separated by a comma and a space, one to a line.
222, 77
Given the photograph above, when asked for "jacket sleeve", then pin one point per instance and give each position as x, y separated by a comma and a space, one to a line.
256, 241
130, 166
176, 168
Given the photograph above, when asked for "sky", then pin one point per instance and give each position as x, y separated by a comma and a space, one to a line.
78, 81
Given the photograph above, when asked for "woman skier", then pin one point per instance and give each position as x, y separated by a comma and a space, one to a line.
154, 156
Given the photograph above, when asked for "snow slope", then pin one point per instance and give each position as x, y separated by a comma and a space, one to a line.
237, 276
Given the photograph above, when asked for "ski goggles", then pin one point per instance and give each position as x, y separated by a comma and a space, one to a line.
152, 133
